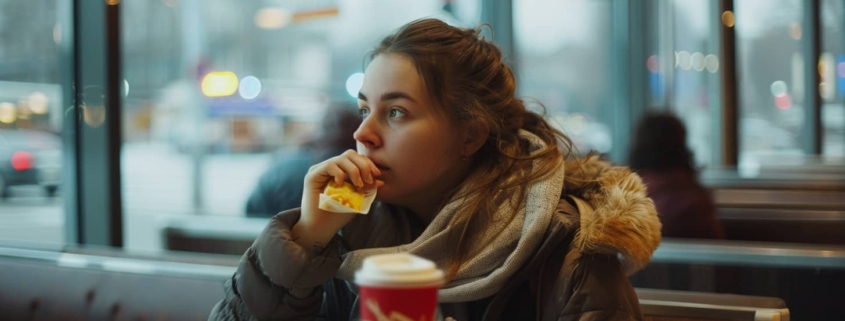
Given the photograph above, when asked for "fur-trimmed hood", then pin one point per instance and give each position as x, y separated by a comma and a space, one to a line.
617, 216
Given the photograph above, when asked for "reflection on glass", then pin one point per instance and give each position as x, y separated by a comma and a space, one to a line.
832, 68
227, 88
564, 54
30, 122
771, 86
685, 65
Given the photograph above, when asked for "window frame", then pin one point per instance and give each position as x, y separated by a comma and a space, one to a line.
91, 78
91, 67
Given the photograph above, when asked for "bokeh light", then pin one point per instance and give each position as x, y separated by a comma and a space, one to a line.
272, 18
219, 84
94, 116
778, 88
684, 60
712, 63
697, 61
783, 102
250, 87
728, 19
57, 34
353, 84
7, 113
652, 64
795, 30
38, 103
840, 69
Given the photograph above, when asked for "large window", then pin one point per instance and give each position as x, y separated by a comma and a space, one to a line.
224, 98
227, 95
770, 68
564, 60
31, 110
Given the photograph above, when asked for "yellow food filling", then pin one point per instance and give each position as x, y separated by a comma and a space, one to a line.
345, 194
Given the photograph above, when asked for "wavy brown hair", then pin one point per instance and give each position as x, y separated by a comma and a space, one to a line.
467, 78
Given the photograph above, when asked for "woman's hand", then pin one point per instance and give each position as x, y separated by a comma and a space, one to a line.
316, 227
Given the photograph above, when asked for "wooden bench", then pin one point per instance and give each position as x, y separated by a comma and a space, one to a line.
666, 305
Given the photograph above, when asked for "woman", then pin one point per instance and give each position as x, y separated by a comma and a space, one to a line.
467, 177
660, 156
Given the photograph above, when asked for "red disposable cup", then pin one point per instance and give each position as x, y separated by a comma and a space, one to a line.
398, 287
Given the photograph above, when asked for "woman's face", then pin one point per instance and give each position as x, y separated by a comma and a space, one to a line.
417, 149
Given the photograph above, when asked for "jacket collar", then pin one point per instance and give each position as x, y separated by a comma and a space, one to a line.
617, 217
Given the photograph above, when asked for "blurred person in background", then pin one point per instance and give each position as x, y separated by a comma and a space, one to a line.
468, 178
659, 154
280, 187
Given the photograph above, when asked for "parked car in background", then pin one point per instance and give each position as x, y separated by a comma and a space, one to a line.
29, 157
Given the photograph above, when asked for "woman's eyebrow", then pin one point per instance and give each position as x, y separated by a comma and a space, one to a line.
390, 96
396, 95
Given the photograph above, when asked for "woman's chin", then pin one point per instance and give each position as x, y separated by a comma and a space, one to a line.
382, 199
384, 195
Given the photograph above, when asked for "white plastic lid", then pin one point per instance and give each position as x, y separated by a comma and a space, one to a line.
398, 270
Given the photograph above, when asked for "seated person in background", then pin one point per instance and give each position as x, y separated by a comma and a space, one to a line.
280, 187
659, 154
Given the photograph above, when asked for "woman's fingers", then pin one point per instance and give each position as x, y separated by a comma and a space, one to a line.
351, 169
335, 172
359, 169
365, 166
375, 170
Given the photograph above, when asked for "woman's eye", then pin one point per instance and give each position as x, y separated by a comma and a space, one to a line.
396, 113
364, 112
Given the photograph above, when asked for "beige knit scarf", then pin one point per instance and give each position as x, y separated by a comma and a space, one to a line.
511, 242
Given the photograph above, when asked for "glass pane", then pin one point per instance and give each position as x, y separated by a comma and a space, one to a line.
564, 56
691, 64
31, 110
833, 78
771, 82
237, 91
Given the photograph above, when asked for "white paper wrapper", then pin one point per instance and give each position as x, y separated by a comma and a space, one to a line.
329, 204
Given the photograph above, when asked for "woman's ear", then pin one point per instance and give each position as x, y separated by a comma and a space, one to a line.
476, 136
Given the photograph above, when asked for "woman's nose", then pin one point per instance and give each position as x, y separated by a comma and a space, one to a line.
368, 133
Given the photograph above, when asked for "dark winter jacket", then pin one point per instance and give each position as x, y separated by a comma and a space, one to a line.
604, 227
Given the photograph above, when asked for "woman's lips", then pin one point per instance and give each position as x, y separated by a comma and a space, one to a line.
381, 167
379, 164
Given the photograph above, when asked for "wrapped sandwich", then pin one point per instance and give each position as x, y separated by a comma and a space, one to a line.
345, 198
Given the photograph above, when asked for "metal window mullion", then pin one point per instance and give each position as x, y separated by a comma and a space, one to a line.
811, 131
729, 115
630, 83
663, 29
95, 121
714, 91
499, 15
70, 171
840, 11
